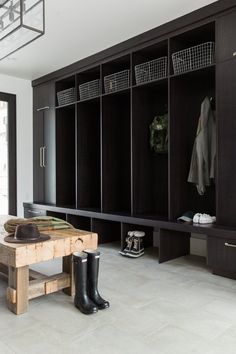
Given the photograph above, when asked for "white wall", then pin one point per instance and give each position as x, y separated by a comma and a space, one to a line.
23, 91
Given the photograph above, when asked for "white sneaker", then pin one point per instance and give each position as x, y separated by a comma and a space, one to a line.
196, 218
207, 219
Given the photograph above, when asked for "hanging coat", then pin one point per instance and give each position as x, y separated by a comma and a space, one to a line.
202, 168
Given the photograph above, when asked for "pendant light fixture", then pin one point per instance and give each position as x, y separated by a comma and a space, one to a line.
21, 22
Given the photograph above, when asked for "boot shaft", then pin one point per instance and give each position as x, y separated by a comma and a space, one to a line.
92, 283
80, 264
93, 266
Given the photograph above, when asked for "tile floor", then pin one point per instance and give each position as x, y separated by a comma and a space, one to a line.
174, 308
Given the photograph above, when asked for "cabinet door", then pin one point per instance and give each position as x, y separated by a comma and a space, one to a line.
38, 143
49, 156
221, 254
43, 142
226, 113
226, 37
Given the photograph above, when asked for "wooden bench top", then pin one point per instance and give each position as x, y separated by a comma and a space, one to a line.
62, 243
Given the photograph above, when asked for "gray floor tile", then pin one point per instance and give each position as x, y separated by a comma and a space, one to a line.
174, 307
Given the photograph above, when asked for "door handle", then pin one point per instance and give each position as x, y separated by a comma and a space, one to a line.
43, 108
44, 158
230, 245
41, 156
33, 212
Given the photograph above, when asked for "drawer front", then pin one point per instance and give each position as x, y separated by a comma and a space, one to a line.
32, 212
222, 254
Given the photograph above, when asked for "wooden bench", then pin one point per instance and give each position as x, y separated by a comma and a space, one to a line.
25, 284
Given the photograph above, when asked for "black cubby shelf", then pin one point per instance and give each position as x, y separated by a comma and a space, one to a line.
116, 93
158, 82
188, 92
116, 154
89, 100
105, 167
88, 155
150, 170
196, 72
68, 105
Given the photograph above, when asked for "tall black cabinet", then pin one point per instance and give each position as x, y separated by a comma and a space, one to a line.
92, 159
44, 177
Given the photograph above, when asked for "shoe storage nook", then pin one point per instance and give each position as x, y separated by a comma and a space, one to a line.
93, 162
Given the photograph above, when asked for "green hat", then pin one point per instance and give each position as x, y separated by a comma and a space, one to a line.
187, 217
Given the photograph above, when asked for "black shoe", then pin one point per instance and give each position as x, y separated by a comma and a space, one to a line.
81, 300
92, 284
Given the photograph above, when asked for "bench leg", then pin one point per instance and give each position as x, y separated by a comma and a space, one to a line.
67, 267
17, 291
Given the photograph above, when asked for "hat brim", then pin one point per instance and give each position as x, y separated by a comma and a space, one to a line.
10, 238
185, 219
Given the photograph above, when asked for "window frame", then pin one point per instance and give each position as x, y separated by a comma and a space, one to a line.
12, 158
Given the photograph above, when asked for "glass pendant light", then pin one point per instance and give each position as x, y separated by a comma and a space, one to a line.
21, 22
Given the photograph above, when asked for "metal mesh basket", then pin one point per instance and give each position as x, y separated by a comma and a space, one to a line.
194, 58
152, 70
66, 96
117, 81
89, 89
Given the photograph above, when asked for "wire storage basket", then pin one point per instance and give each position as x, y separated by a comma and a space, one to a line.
66, 96
152, 70
117, 81
89, 89
194, 58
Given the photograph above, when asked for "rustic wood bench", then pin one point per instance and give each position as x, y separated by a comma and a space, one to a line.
25, 284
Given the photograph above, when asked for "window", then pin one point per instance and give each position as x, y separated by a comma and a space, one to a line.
7, 154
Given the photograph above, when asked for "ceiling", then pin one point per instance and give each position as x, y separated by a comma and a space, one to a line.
76, 29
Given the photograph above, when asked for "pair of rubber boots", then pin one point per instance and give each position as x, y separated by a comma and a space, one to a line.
86, 267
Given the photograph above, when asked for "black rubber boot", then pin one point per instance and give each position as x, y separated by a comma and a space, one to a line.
92, 284
82, 301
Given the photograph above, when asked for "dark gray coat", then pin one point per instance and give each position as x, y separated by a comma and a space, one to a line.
202, 168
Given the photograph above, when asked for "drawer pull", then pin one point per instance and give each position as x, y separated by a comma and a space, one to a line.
230, 245
33, 212
43, 108
234, 54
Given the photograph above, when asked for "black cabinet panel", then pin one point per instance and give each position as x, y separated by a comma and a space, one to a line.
38, 171
44, 143
222, 254
226, 106
226, 37
49, 156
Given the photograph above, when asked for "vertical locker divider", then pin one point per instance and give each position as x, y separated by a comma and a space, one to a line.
76, 145
101, 136
131, 136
